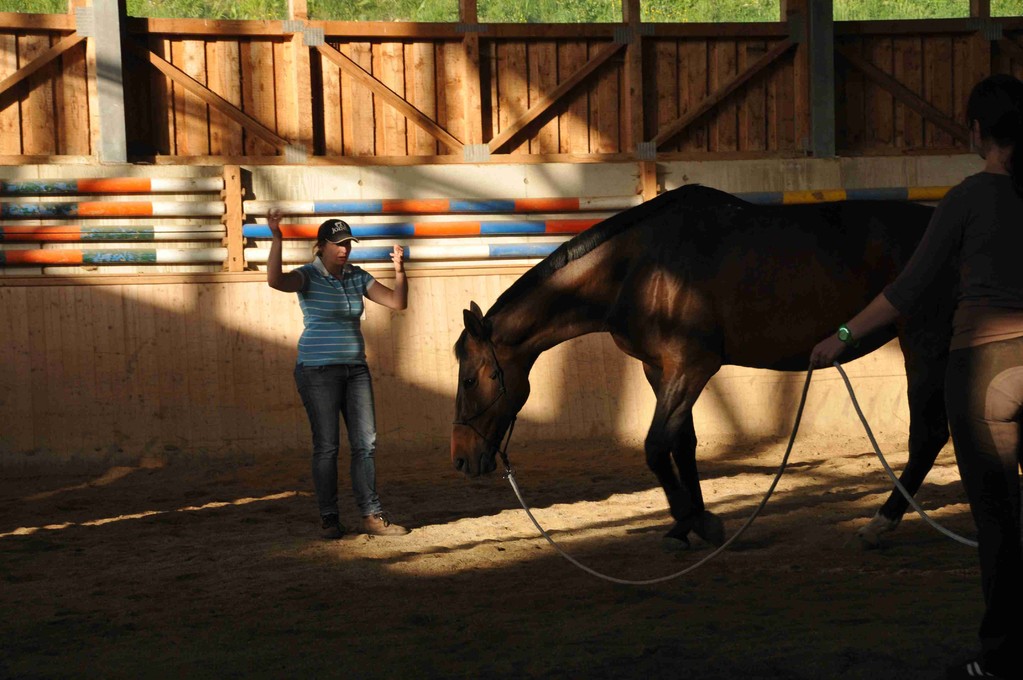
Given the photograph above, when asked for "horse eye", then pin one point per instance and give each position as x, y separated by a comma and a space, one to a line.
469, 382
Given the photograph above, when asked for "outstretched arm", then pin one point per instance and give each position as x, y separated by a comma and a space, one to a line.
878, 314
292, 282
397, 298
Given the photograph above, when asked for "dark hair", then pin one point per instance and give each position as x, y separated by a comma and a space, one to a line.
997, 104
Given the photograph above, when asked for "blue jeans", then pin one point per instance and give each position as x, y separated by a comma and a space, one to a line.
345, 390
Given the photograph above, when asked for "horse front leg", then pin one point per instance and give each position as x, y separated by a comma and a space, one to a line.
928, 433
672, 430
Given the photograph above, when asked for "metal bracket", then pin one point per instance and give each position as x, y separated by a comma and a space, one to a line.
991, 30
471, 28
313, 37
476, 153
295, 154
646, 151
624, 35
85, 22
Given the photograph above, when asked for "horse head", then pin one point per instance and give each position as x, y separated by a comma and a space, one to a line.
492, 386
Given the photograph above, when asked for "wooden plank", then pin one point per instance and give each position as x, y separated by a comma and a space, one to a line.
337, 114
362, 132
251, 125
471, 84
938, 87
667, 87
72, 105
542, 58
390, 97
723, 92
693, 86
223, 72
606, 90
304, 97
285, 91
16, 378
605, 117
908, 122
724, 120
632, 79
37, 107
163, 103
10, 105
234, 217
573, 127
422, 67
20, 21
196, 137
512, 98
394, 131
879, 103
752, 102
850, 108
450, 96
258, 98
905, 95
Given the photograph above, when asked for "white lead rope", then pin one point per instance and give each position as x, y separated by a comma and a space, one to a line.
510, 475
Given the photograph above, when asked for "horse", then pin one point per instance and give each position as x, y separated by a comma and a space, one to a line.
695, 279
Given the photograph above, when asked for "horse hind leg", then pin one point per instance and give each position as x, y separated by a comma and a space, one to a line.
928, 433
672, 424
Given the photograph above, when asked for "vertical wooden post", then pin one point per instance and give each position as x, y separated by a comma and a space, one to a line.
633, 76
812, 25
298, 10
648, 180
302, 94
109, 17
234, 218
980, 8
471, 86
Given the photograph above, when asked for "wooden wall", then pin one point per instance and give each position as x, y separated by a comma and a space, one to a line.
278, 80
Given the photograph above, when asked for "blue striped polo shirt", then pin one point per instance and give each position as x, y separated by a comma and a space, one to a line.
332, 309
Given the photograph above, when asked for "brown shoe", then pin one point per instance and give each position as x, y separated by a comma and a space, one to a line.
379, 525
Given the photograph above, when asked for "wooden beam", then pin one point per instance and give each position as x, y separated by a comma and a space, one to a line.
40, 61
391, 97
633, 76
472, 107
234, 218
905, 95
676, 126
980, 8
37, 22
210, 97
555, 95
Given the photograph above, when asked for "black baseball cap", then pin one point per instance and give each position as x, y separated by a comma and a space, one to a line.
335, 231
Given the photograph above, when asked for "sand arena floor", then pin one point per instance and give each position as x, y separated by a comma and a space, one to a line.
213, 569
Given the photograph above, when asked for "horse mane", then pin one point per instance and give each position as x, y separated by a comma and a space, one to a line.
687, 197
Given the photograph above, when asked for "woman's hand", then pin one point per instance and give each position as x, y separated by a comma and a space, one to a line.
826, 352
273, 220
398, 258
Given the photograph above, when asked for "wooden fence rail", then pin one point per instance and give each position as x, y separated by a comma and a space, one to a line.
227, 92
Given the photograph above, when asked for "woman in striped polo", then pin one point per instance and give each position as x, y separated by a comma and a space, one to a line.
331, 373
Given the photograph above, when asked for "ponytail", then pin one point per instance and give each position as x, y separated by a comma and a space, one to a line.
996, 103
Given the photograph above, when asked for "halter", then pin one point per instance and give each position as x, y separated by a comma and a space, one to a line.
497, 375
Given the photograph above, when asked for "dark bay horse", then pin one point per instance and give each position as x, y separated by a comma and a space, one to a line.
693, 280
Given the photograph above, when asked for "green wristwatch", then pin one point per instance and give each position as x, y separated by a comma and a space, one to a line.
846, 336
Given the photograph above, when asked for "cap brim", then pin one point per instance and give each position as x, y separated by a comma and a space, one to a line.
346, 238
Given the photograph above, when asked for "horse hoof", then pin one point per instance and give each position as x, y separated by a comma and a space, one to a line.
710, 528
870, 533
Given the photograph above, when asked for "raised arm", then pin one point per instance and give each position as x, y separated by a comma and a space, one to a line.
397, 298
292, 282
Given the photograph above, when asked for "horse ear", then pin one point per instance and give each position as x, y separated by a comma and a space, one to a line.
475, 309
474, 324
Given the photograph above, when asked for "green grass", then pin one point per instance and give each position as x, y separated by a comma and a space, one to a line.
528, 11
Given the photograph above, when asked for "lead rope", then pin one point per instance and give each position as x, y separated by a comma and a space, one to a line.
510, 475
891, 473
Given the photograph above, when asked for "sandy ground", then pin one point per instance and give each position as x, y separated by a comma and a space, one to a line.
214, 569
